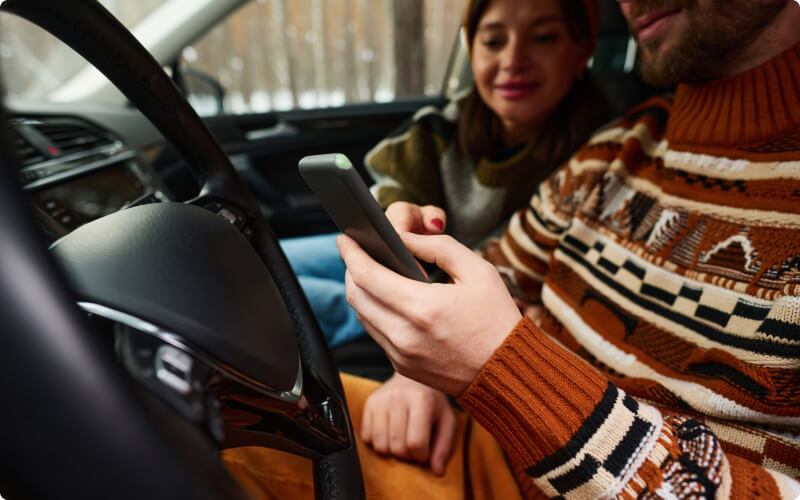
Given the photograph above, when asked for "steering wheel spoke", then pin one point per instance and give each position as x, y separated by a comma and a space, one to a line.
228, 210
235, 409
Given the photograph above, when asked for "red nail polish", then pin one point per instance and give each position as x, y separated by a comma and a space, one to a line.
438, 223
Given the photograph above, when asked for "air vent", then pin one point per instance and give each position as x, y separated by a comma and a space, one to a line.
43, 139
27, 154
72, 136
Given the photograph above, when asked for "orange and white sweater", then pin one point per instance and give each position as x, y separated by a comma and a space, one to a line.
666, 253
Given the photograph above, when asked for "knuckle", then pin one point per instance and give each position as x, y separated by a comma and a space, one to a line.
373, 403
395, 207
433, 208
348, 294
396, 398
357, 275
487, 268
398, 209
407, 346
369, 405
424, 317
380, 447
446, 238
415, 399
418, 448
366, 437
398, 446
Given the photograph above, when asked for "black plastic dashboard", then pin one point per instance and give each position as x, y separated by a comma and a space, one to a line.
75, 171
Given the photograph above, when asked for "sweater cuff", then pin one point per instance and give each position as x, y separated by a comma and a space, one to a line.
533, 395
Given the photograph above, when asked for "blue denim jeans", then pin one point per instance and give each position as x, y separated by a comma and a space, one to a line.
320, 270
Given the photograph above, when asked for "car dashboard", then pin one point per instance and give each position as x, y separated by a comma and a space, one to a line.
74, 171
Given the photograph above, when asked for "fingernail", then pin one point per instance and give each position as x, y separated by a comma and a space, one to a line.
438, 223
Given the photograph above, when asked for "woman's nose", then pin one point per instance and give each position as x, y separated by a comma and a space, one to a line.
516, 55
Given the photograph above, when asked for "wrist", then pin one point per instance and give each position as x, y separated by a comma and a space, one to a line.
531, 367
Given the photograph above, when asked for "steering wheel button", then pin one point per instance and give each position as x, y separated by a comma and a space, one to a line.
174, 368
228, 215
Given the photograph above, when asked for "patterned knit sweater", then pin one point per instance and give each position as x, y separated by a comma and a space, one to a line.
667, 256
421, 163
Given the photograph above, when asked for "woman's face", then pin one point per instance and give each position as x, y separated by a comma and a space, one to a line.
525, 61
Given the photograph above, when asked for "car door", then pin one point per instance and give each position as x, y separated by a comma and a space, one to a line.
277, 80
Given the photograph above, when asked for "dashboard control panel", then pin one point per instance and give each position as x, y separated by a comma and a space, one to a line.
76, 172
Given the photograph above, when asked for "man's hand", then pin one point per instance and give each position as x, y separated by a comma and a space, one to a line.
410, 421
438, 334
408, 217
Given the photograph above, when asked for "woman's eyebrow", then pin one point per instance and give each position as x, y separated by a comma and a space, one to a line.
490, 26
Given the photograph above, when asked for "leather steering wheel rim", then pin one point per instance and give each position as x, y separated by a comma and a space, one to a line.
91, 31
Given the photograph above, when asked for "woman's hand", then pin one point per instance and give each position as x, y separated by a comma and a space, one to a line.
408, 217
410, 421
438, 334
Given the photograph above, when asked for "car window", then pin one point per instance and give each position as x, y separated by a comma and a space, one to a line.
305, 54
37, 66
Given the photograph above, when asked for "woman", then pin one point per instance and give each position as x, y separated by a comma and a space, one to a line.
532, 106
528, 110
481, 156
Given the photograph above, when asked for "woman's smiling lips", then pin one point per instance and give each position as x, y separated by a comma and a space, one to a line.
516, 89
653, 24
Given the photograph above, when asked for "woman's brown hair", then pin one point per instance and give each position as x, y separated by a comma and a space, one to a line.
582, 110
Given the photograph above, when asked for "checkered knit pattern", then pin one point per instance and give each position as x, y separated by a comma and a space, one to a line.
666, 254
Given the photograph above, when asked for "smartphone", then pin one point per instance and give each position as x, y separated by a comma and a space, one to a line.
356, 213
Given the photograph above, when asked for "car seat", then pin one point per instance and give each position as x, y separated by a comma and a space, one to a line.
614, 65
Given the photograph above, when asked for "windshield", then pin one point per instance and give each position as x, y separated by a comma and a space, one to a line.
36, 64
268, 55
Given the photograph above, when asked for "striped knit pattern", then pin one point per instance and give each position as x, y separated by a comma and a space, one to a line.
421, 163
667, 256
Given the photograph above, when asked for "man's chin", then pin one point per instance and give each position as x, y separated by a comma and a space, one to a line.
700, 46
668, 68
665, 64
661, 76
653, 68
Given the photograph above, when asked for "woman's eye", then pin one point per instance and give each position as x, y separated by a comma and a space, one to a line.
546, 38
493, 43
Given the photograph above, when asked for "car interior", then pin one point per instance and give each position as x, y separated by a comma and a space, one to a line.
147, 304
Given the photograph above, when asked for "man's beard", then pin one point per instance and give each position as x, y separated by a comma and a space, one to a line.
714, 37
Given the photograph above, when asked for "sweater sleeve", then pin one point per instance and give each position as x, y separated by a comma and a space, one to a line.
522, 254
406, 165
576, 435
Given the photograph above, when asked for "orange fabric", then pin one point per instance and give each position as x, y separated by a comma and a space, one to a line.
271, 474
675, 276
740, 114
541, 367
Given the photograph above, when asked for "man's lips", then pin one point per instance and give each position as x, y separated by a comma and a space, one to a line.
649, 24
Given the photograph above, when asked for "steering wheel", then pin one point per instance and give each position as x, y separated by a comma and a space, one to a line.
214, 342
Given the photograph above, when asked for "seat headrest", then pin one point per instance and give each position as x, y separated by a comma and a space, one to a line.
611, 20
